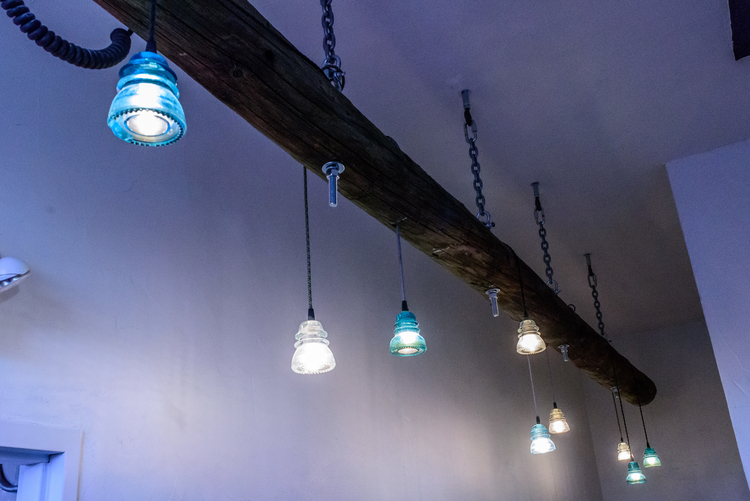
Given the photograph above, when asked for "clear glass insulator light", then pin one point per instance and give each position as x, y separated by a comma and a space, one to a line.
635, 475
540, 441
407, 342
623, 452
529, 340
557, 422
650, 458
313, 356
332, 171
146, 110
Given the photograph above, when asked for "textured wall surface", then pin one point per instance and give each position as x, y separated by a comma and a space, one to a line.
711, 192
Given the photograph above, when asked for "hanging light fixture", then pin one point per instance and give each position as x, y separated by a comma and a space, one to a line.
557, 422
146, 110
635, 475
470, 123
312, 354
529, 340
624, 451
407, 341
540, 441
650, 459
12, 271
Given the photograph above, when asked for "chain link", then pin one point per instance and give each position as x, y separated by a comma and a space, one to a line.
540, 220
475, 168
595, 295
332, 63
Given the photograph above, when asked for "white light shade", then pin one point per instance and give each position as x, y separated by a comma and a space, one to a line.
313, 356
557, 422
12, 271
623, 452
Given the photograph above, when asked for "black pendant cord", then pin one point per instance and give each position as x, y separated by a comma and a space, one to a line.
533, 393
617, 415
151, 42
551, 381
61, 48
310, 311
520, 281
640, 408
404, 306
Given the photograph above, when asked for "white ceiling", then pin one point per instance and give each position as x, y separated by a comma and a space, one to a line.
589, 98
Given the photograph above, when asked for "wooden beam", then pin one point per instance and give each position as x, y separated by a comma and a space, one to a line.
739, 14
232, 51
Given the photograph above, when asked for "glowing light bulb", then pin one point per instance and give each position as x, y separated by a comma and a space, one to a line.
540, 441
147, 123
529, 340
146, 110
635, 475
623, 452
312, 355
650, 458
407, 342
557, 422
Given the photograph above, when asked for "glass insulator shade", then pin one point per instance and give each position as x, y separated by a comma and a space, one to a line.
635, 475
557, 422
540, 441
407, 342
529, 340
623, 452
313, 356
650, 458
146, 110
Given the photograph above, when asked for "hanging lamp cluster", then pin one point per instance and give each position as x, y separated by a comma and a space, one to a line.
624, 451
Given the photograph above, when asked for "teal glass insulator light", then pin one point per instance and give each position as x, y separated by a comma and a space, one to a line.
407, 341
650, 458
147, 110
540, 441
635, 475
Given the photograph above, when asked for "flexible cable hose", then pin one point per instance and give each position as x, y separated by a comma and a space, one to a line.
61, 48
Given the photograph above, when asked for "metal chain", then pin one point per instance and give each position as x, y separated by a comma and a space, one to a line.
595, 295
332, 63
540, 220
469, 123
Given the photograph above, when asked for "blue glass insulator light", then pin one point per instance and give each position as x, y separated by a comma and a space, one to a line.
635, 475
407, 342
540, 441
146, 110
650, 458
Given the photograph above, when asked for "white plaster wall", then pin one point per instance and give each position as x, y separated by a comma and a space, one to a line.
166, 290
711, 193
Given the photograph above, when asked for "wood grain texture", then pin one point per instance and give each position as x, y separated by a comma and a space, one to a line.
232, 51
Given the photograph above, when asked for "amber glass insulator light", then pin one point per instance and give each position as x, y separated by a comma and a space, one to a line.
557, 422
529, 340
